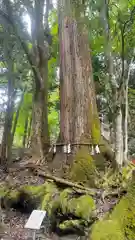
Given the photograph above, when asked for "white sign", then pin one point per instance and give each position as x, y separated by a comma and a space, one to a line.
35, 220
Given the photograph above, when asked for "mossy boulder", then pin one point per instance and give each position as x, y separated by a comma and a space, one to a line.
50, 199
81, 207
121, 221
62, 205
107, 230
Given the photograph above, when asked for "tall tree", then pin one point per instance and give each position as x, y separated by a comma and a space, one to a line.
37, 56
79, 121
7, 133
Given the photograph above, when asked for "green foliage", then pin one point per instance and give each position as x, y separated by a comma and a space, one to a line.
116, 179
26, 110
53, 116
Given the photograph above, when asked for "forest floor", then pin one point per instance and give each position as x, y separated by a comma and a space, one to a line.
14, 222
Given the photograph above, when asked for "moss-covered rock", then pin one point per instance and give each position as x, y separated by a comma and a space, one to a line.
25, 198
121, 221
61, 204
107, 230
72, 226
81, 207
50, 199
3, 191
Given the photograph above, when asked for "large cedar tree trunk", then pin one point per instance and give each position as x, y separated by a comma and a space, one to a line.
79, 120
79, 116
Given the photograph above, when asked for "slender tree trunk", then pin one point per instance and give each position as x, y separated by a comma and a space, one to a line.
16, 117
39, 138
40, 131
29, 130
7, 136
110, 78
79, 116
25, 130
126, 125
119, 138
126, 113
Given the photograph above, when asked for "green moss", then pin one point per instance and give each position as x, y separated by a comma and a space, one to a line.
10, 197
70, 224
122, 218
84, 207
34, 190
65, 197
107, 230
81, 207
13, 195
94, 123
95, 130
3, 191
83, 168
50, 199
124, 212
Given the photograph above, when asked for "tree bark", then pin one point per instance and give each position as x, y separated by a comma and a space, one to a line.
40, 132
39, 138
126, 113
78, 115
119, 138
29, 130
6, 146
110, 78
7, 135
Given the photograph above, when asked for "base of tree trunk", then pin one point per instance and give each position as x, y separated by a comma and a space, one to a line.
81, 166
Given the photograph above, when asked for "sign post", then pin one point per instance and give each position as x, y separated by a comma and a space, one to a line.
35, 220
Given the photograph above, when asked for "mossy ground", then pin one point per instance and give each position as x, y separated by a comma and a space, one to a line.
121, 222
107, 230
62, 203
